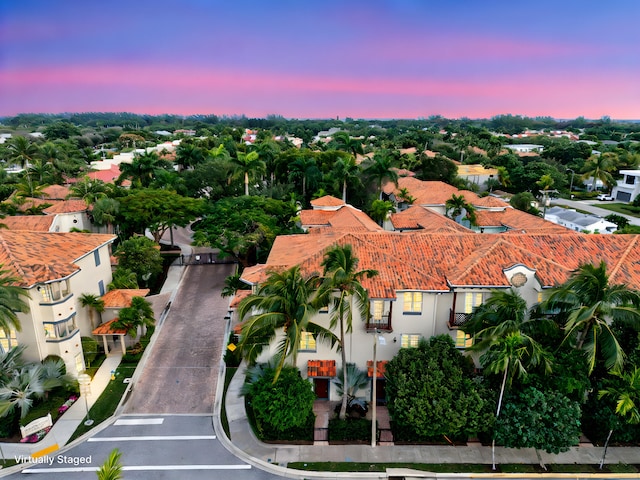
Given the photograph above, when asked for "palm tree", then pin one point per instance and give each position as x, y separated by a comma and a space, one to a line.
189, 155
138, 314
22, 151
111, 469
10, 361
123, 278
457, 205
89, 190
590, 303
11, 302
248, 164
342, 289
502, 328
21, 391
627, 401
285, 302
93, 303
142, 170
599, 167
105, 212
306, 169
346, 172
380, 210
344, 142
381, 169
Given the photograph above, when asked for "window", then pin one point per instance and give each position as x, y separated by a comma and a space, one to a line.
101, 287
377, 310
412, 302
540, 296
8, 341
410, 340
96, 257
60, 330
307, 342
471, 301
463, 340
79, 363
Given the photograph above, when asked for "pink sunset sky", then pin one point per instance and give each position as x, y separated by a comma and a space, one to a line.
312, 59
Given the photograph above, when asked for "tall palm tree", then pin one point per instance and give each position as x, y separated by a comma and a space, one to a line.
590, 303
380, 210
344, 142
305, 169
627, 401
381, 169
11, 301
286, 302
599, 167
142, 170
111, 469
342, 289
502, 328
248, 165
346, 172
189, 155
88, 190
94, 303
22, 151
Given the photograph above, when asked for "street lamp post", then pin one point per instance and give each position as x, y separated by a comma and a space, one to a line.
571, 185
374, 393
84, 380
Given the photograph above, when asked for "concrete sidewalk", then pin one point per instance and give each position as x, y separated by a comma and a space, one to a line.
64, 427
244, 443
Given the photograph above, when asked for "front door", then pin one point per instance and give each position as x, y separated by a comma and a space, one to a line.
381, 397
321, 388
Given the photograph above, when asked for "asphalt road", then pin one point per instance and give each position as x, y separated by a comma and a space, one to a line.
153, 447
592, 206
180, 376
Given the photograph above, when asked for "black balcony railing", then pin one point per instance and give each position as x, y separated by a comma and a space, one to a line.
457, 319
383, 323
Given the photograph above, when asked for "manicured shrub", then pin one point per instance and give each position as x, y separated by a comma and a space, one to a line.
350, 430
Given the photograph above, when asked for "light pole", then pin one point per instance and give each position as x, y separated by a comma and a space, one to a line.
374, 393
84, 380
571, 185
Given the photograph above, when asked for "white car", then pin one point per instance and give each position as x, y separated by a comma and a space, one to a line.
605, 198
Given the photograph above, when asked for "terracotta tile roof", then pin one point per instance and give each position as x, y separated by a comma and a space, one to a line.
56, 192
491, 202
30, 202
107, 176
346, 217
44, 256
417, 217
66, 206
108, 329
321, 368
435, 261
327, 201
518, 221
238, 297
121, 298
34, 223
428, 193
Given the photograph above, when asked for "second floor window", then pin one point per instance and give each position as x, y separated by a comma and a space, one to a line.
412, 302
471, 301
307, 342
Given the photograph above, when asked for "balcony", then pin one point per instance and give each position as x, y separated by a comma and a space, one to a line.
383, 323
457, 319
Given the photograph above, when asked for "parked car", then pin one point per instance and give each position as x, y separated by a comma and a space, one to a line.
605, 198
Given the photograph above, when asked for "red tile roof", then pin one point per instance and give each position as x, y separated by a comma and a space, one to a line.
321, 368
428, 193
36, 257
34, 223
344, 218
108, 329
121, 298
435, 261
238, 297
417, 217
381, 366
66, 206
56, 192
327, 201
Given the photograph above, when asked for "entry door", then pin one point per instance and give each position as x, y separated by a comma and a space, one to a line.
381, 397
321, 388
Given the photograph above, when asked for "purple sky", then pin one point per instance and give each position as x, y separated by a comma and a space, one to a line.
319, 59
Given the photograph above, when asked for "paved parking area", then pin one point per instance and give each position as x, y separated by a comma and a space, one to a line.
180, 376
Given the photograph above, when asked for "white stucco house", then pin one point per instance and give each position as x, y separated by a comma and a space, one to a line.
580, 222
55, 269
628, 188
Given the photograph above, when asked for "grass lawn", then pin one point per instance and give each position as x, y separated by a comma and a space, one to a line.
106, 404
617, 208
460, 468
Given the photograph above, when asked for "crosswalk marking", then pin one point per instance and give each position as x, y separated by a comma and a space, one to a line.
152, 438
139, 421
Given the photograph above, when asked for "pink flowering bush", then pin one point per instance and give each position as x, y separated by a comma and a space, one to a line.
65, 406
35, 437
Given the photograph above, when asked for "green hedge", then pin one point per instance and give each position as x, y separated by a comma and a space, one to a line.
349, 430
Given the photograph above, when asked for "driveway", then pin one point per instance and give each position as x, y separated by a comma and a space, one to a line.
181, 373
591, 206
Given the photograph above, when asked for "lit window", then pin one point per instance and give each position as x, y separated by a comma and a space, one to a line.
540, 296
471, 301
463, 340
377, 310
307, 342
412, 302
410, 340
8, 342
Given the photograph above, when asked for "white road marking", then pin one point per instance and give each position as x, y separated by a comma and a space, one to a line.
139, 421
151, 438
139, 468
